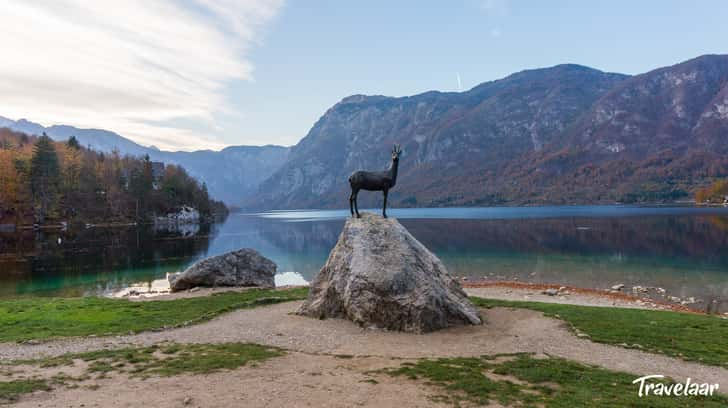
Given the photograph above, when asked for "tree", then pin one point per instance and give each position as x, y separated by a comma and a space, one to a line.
73, 143
8, 181
44, 177
203, 202
71, 180
141, 185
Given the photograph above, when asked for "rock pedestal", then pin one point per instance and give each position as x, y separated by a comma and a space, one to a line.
379, 275
244, 267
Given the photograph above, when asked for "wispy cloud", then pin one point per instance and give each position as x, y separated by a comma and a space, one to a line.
132, 66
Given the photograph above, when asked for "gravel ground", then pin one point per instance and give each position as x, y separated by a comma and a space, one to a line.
295, 380
505, 331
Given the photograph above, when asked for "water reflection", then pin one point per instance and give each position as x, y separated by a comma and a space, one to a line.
683, 252
93, 260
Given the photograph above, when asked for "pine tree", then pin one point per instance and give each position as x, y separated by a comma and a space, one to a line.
204, 201
73, 143
44, 177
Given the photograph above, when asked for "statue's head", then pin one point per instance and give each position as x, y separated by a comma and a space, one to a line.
396, 151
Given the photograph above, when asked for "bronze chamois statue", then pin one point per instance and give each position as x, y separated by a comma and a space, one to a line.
374, 181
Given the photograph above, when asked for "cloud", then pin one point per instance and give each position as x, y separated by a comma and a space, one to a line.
136, 67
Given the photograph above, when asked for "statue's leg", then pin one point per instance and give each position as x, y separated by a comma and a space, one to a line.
384, 207
356, 204
351, 202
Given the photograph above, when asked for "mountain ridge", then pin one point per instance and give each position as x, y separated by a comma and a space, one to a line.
557, 135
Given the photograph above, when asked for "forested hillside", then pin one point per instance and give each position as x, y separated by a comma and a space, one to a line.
43, 181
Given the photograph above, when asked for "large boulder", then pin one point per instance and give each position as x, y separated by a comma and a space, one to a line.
379, 275
244, 267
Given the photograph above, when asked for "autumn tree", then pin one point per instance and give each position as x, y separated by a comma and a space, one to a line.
71, 163
41, 179
8, 181
44, 176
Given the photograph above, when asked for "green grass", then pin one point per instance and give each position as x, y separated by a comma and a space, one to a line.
11, 390
44, 318
694, 337
522, 380
166, 359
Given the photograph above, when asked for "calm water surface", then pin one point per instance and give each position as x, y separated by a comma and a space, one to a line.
683, 249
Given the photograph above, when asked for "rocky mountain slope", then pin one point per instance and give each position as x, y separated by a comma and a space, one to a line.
560, 135
445, 136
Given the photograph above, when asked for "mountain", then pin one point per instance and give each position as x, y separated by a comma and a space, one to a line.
657, 136
561, 135
231, 174
677, 107
445, 137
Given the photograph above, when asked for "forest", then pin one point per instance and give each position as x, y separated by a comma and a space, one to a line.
47, 182
716, 193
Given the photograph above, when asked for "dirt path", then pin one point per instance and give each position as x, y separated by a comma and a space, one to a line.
295, 380
506, 331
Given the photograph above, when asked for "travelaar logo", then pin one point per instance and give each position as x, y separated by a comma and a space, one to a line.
674, 389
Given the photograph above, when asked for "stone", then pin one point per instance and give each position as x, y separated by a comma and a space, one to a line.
244, 267
379, 276
618, 286
550, 292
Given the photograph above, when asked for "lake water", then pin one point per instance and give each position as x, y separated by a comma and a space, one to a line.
682, 249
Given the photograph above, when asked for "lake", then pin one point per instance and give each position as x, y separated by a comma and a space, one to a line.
681, 249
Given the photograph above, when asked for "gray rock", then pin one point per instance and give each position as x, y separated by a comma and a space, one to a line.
550, 292
244, 267
618, 286
379, 275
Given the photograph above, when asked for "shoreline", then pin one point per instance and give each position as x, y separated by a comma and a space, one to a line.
565, 294
502, 290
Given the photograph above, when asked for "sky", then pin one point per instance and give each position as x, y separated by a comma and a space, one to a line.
205, 74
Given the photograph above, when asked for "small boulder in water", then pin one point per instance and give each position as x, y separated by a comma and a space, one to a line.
244, 267
379, 275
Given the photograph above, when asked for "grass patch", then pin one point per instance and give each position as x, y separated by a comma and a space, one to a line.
44, 318
693, 337
530, 382
11, 390
165, 360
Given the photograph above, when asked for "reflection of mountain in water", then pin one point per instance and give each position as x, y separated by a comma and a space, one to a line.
101, 257
674, 239
671, 237
686, 255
